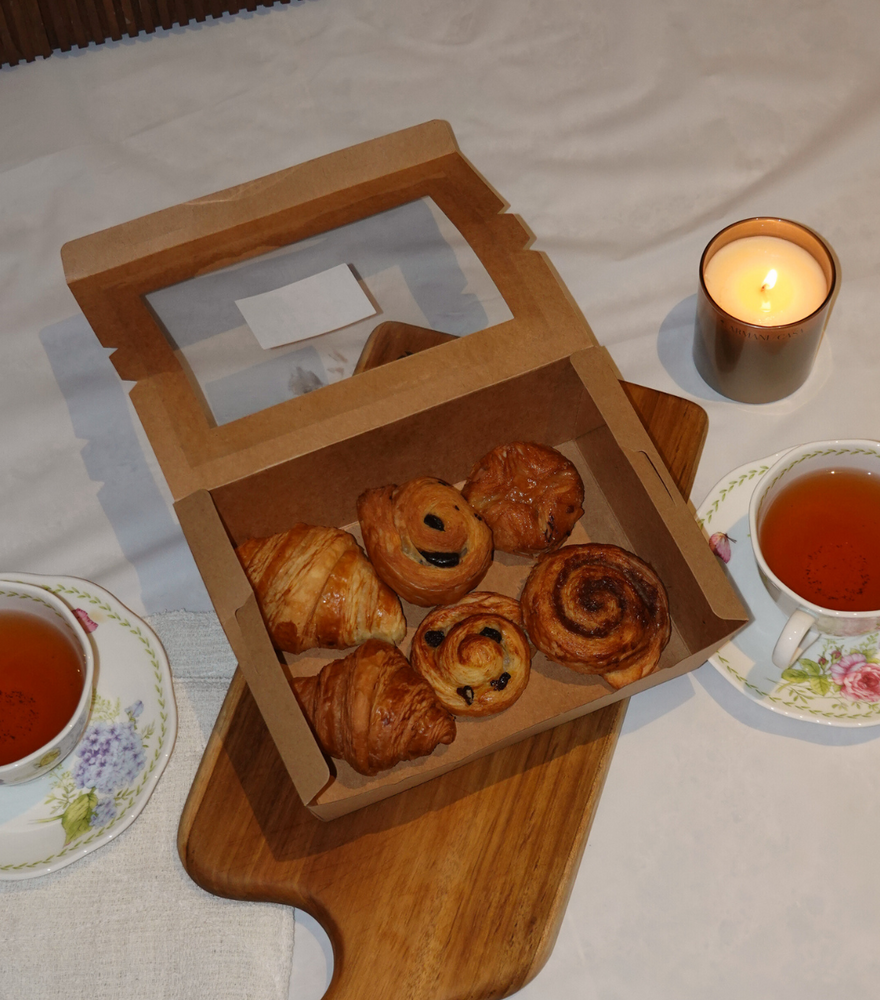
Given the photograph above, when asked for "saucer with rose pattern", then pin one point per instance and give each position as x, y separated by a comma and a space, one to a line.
836, 681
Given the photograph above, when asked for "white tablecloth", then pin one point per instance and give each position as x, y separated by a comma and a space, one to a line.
733, 850
126, 920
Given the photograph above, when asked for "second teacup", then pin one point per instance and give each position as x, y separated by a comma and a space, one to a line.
814, 520
47, 671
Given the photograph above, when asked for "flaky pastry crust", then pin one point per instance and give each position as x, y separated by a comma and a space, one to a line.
530, 495
599, 610
474, 654
373, 710
425, 541
316, 588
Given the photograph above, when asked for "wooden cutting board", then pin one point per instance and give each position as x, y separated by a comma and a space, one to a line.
453, 890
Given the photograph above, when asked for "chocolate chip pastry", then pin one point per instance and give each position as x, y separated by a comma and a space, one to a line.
599, 610
373, 710
316, 588
530, 495
474, 654
425, 541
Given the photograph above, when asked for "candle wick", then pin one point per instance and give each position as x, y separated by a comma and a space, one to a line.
769, 281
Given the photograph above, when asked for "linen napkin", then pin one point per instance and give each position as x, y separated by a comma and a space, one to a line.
127, 920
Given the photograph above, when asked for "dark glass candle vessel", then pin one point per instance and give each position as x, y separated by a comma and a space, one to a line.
749, 362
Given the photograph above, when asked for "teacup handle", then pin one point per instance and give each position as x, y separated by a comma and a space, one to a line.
790, 645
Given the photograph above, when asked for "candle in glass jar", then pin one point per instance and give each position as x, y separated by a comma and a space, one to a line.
765, 280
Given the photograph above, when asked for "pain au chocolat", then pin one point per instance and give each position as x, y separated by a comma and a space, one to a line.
598, 609
425, 540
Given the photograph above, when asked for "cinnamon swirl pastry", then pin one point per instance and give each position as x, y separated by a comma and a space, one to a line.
425, 541
530, 495
315, 587
599, 610
474, 654
373, 710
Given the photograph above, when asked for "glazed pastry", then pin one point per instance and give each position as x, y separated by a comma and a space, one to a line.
599, 610
315, 587
424, 540
373, 710
530, 495
474, 654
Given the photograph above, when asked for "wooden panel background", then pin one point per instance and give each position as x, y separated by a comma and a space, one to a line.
31, 28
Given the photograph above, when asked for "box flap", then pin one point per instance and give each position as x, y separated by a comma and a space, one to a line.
242, 622
111, 272
630, 435
115, 252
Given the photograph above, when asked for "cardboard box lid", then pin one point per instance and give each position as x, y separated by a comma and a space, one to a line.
110, 272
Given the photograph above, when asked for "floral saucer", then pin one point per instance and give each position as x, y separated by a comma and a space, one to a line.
101, 788
836, 681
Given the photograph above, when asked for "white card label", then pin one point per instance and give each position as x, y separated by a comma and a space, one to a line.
317, 304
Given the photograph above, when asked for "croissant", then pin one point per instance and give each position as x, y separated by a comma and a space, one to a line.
373, 710
424, 540
474, 654
315, 587
530, 495
599, 610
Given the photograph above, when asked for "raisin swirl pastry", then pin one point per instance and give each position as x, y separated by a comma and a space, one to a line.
530, 495
425, 541
373, 710
599, 610
316, 588
474, 654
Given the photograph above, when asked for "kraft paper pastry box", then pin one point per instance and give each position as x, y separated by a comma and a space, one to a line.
362, 319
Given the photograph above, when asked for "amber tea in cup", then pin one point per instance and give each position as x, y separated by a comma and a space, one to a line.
41, 682
47, 675
821, 537
814, 523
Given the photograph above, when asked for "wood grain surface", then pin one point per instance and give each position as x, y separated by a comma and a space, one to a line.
392, 340
453, 890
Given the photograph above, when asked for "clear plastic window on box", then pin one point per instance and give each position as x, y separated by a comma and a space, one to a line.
411, 263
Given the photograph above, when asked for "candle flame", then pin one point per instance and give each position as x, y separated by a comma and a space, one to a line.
769, 281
